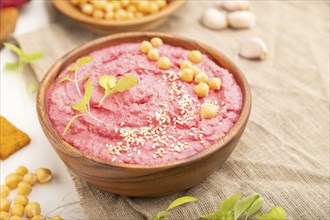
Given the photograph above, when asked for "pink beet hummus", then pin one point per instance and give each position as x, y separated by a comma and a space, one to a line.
156, 121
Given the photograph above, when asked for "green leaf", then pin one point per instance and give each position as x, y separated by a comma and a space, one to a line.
254, 207
244, 204
107, 82
229, 215
276, 213
12, 66
160, 215
229, 203
125, 83
72, 68
69, 123
78, 107
181, 201
32, 56
65, 78
14, 48
88, 91
214, 215
83, 61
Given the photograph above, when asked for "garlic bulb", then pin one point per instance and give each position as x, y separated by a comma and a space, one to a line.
231, 5
242, 19
214, 19
255, 48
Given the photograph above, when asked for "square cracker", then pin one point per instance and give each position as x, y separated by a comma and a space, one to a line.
11, 138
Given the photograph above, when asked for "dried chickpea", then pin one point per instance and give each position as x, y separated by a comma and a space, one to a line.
5, 205
215, 83
161, 3
87, 9
17, 209
22, 200
21, 170
99, 4
153, 7
129, 15
4, 215
153, 54
156, 42
124, 3
145, 47
15, 217
12, 180
201, 77
32, 209
24, 188
196, 70
109, 15
98, 14
187, 75
164, 63
195, 56
44, 175
4, 191
208, 111
143, 7
131, 8
139, 14
202, 89
30, 178
185, 64
120, 14
116, 5
39, 217
56, 218
109, 7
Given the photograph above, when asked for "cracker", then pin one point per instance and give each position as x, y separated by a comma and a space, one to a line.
11, 139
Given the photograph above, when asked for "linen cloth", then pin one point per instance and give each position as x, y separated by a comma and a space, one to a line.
283, 154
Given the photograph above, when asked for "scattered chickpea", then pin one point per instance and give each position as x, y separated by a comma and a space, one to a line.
161, 3
201, 77
187, 75
131, 8
143, 6
164, 63
109, 15
56, 218
153, 54
24, 188
109, 7
4, 191
215, 83
87, 9
208, 111
21, 199
145, 47
4, 215
153, 7
12, 180
44, 175
196, 70
30, 178
185, 64
15, 217
98, 14
202, 89
139, 15
195, 56
17, 209
39, 217
130, 15
5, 205
156, 42
99, 4
32, 209
120, 14
21, 170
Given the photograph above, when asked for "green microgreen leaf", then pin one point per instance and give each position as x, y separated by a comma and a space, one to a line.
244, 204
29, 57
78, 107
70, 123
125, 83
214, 215
71, 68
107, 82
181, 201
14, 48
65, 78
160, 215
276, 213
83, 61
254, 207
229, 215
12, 66
88, 91
229, 203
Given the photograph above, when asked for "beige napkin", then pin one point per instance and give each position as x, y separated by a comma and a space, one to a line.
284, 152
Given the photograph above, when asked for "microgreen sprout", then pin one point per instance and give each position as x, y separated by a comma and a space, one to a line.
276, 213
110, 85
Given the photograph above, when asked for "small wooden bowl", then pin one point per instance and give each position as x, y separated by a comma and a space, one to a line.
110, 26
144, 180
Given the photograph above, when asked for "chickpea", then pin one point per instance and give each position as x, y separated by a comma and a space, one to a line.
30, 178
98, 14
12, 180
202, 89
208, 111
5, 205
120, 14
156, 42
131, 8
139, 14
99, 4
21, 170
153, 7
153, 54
109, 15
22, 200
56, 218
24, 188
17, 209
116, 5
143, 7
161, 3
39, 217
4, 191
195, 56
201, 77
187, 75
87, 9
4, 215
124, 3
215, 83
15, 217
130, 15
196, 70
164, 63
44, 175
32, 209
109, 7
145, 47
185, 64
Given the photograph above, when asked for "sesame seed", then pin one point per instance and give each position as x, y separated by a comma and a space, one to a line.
122, 123
114, 159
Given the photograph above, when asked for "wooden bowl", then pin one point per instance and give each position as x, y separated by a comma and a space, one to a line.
144, 180
110, 26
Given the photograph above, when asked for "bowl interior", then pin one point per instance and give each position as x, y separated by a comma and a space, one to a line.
108, 41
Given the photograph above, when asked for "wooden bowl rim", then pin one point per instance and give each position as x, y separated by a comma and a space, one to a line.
62, 63
67, 8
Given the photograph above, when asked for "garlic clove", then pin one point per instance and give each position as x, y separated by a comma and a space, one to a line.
231, 5
242, 19
214, 19
255, 48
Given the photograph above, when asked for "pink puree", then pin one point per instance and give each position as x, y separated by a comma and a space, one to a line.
135, 110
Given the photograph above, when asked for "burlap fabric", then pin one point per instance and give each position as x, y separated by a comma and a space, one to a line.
284, 152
